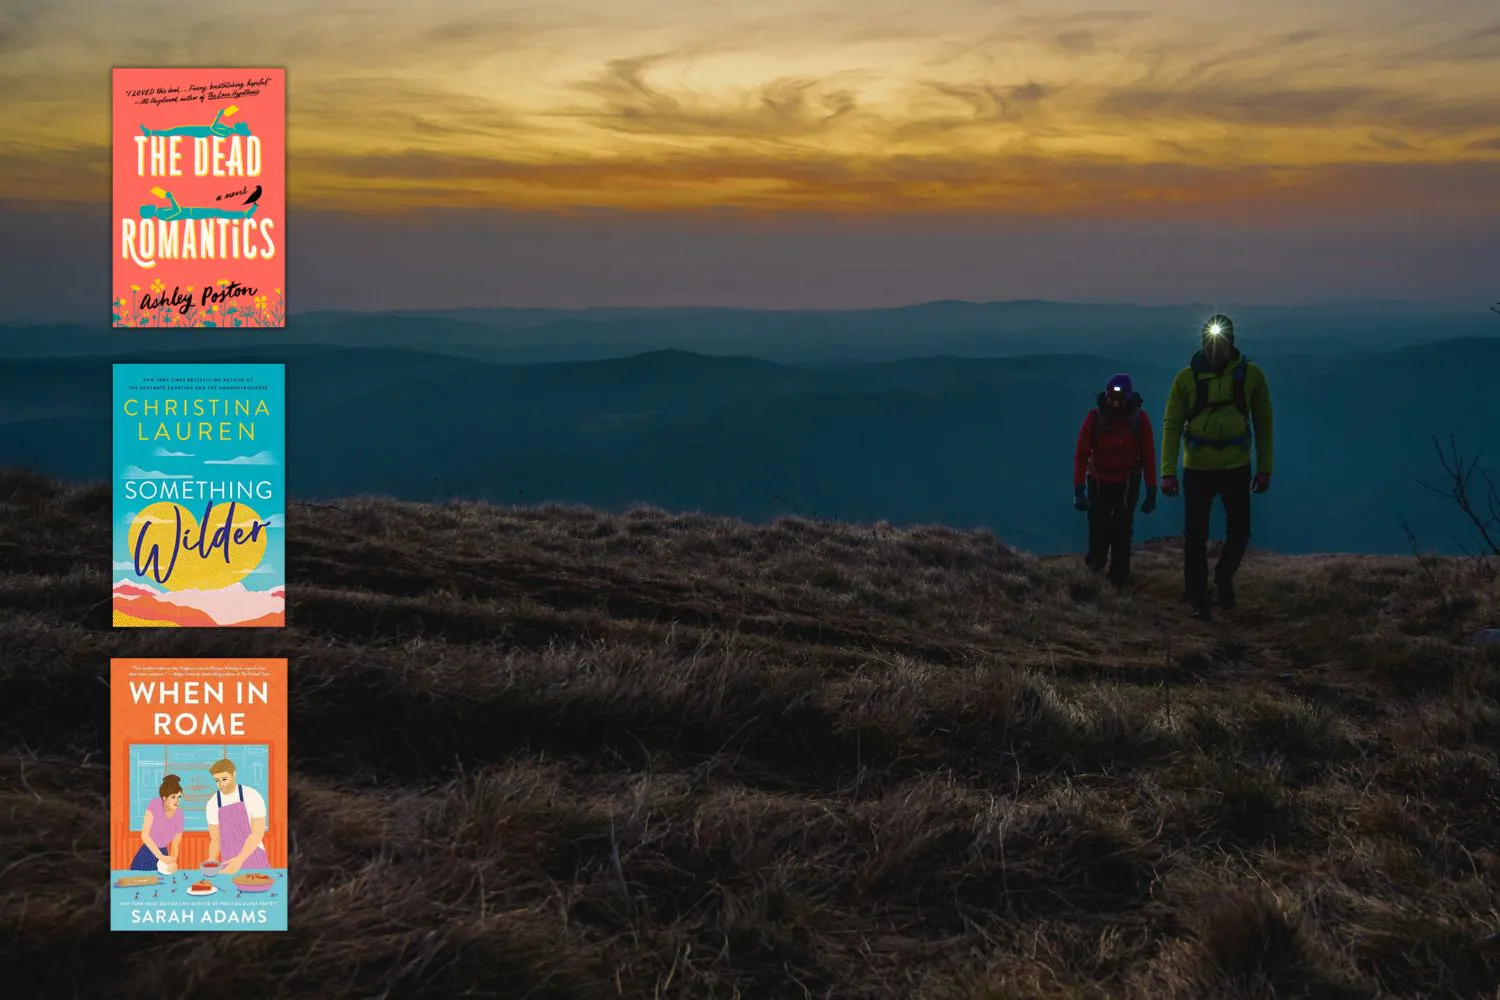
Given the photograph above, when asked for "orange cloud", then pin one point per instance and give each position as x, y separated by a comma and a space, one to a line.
974, 107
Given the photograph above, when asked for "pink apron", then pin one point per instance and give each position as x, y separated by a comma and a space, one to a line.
234, 830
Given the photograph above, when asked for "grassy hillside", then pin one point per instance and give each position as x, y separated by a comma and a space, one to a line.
557, 754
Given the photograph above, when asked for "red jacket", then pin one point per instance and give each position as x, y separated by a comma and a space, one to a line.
1119, 453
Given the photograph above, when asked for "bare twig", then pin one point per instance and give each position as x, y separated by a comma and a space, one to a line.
1427, 563
1483, 511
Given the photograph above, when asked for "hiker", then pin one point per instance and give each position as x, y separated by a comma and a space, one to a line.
1212, 408
1115, 447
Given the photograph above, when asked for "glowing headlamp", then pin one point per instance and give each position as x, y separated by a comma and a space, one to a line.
1218, 328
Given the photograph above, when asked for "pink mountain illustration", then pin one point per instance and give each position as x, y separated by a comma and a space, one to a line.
231, 606
131, 590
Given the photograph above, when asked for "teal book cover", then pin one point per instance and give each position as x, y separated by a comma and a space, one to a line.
199, 496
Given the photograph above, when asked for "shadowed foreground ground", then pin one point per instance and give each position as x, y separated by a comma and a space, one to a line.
556, 754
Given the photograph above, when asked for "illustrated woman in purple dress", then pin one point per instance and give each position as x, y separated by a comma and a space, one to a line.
161, 827
236, 823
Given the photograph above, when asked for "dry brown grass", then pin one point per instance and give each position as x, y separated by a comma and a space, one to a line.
557, 754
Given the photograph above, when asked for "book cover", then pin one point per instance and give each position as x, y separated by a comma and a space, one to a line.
199, 185
198, 795
199, 505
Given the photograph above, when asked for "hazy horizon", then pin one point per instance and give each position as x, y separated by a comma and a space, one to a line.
911, 441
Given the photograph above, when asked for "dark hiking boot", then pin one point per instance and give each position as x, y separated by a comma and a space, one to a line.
1201, 608
1226, 594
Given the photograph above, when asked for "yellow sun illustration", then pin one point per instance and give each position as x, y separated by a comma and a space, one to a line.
193, 571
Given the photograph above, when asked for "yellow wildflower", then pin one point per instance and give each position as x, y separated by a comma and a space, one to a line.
135, 288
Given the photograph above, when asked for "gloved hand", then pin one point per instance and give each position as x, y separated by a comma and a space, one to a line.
1169, 486
1150, 503
1262, 482
1080, 498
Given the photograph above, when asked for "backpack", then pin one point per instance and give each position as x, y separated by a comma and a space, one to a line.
1135, 414
1136, 404
1201, 403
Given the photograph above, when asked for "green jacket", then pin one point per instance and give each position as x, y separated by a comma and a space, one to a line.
1216, 422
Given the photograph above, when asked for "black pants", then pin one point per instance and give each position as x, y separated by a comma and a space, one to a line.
1111, 526
1199, 488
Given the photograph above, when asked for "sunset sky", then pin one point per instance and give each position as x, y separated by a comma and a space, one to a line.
795, 153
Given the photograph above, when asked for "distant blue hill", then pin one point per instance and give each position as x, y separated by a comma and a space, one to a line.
1150, 334
966, 441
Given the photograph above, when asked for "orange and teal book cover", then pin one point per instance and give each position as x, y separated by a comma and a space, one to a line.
198, 795
199, 198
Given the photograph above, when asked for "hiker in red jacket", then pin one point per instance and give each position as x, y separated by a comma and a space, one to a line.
1115, 446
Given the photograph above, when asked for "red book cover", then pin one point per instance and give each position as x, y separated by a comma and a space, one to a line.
199, 198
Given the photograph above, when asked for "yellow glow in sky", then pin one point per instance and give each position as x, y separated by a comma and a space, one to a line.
952, 105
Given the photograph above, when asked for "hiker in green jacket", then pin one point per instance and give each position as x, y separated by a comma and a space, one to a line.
1212, 408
